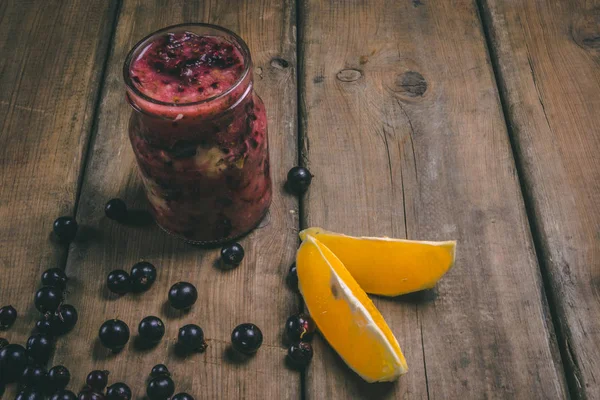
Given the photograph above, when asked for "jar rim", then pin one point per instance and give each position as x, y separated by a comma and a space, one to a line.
181, 27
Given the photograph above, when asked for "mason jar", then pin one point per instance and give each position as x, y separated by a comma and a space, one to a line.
199, 132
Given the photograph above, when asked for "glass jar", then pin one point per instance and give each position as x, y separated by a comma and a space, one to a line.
199, 132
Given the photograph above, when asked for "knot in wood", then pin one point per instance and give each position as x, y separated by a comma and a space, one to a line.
411, 84
349, 75
279, 63
585, 29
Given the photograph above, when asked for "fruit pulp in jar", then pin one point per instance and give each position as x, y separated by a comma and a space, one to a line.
199, 133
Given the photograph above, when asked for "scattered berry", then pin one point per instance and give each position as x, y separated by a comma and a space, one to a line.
46, 325
114, 334
8, 316
116, 209
182, 295
159, 370
151, 329
182, 396
97, 380
65, 228
292, 277
65, 319
34, 377
13, 360
58, 378
300, 354
246, 338
191, 338
55, 277
118, 281
143, 275
30, 394
40, 347
299, 327
89, 395
48, 299
160, 388
118, 391
232, 255
63, 395
298, 180
3, 343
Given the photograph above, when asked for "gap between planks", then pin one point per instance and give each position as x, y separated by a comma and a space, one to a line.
569, 368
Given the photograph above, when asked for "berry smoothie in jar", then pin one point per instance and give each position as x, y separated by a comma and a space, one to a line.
199, 132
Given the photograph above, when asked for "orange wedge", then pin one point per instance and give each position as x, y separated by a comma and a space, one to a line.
389, 267
345, 315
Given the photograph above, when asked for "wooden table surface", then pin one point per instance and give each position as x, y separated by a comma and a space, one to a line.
470, 120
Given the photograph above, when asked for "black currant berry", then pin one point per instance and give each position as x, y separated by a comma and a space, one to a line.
65, 228
40, 347
182, 396
292, 277
118, 391
8, 316
151, 330
65, 319
118, 281
246, 338
34, 376
48, 299
13, 360
63, 395
97, 380
232, 255
55, 277
182, 295
58, 378
46, 325
143, 275
298, 180
30, 394
160, 388
300, 354
299, 327
159, 370
116, 209
191, 338
114, 334
89, 395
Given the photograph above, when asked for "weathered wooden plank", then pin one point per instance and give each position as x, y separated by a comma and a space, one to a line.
254, 292
403, 130
548, 59
52, 62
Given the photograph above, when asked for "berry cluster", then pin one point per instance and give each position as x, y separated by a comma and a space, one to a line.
141, 278
299, 331
26, 365
161, 386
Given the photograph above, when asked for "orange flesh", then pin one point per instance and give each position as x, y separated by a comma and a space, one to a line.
389, 267
359, 335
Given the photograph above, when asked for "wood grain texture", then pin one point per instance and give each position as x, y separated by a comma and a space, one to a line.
403, 129
52, 61
254, 292
547, 55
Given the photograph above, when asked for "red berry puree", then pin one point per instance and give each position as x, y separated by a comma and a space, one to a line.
199, 133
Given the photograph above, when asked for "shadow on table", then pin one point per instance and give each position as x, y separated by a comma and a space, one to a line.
360, 388
420, 297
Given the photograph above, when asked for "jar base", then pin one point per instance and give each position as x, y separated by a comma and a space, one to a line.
213, 243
